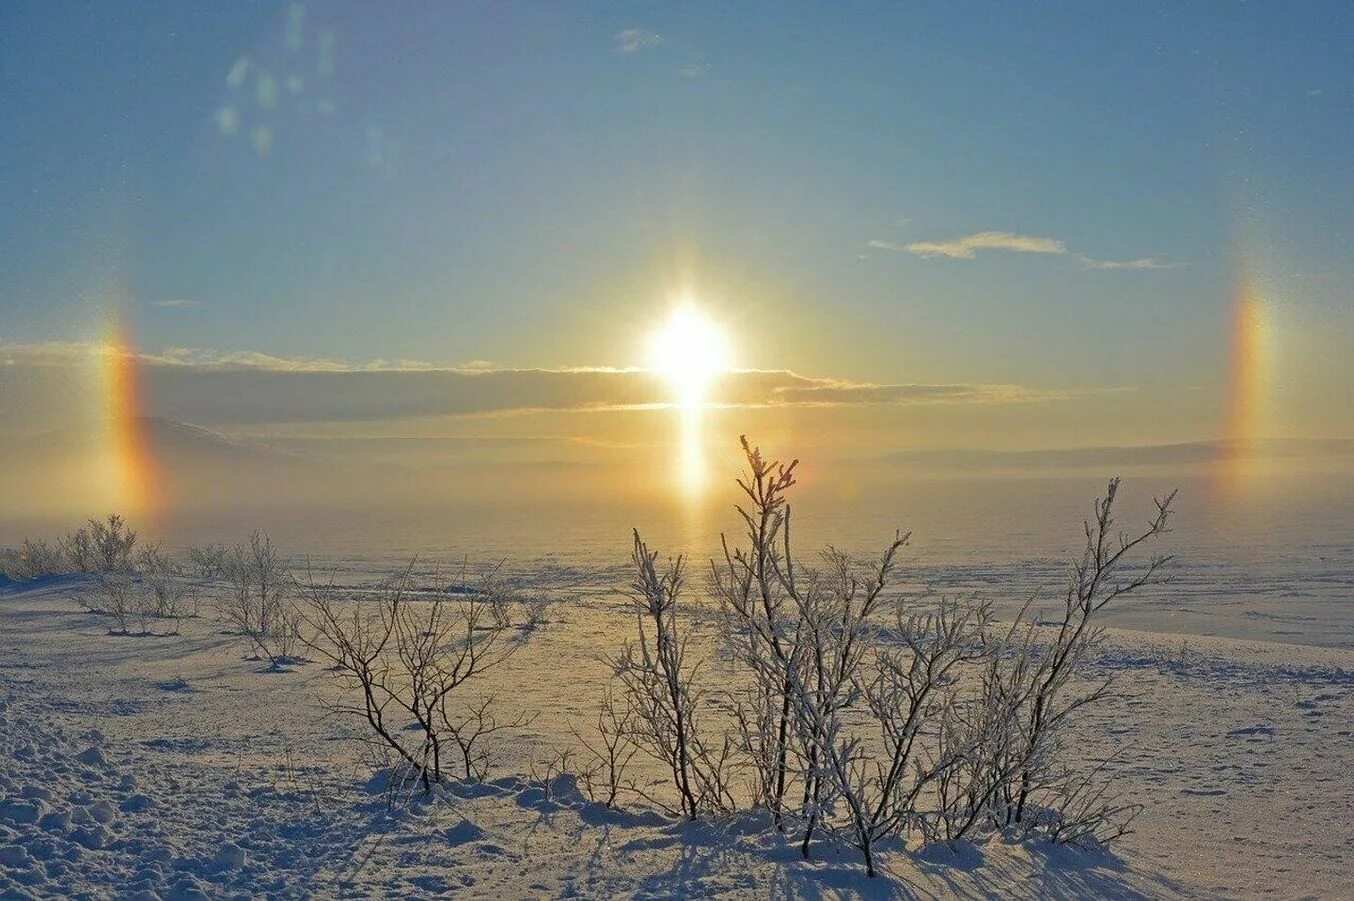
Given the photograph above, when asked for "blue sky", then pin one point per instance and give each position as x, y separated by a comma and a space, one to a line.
527, 184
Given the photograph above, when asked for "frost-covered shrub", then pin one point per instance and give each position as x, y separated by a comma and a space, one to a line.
500, 603
209, 561
468, 731
610, 750
1043, 681
939, 724
142, 589
33, 559
537, 610
115, 593
258, 602
169, 592
401, 658
664, 700
104, 545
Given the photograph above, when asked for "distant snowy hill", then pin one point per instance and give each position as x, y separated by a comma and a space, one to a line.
184, 461
176, 440
1176, 456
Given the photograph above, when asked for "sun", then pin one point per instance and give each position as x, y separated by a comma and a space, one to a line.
690, 350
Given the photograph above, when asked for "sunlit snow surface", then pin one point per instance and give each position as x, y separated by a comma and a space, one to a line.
174, 765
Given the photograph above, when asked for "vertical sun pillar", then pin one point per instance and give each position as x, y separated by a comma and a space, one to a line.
1247, 384
691, 352
691, 464
127, 457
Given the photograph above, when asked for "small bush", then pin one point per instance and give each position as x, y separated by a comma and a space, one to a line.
115, 593
209, 562
610, 750
664, 700
537, 610
101, 546
401, 660
258, 603
33, 560
171, 595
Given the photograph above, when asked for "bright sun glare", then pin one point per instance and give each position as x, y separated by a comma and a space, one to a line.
691, 351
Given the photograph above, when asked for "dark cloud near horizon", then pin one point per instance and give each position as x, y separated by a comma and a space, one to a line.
250, 389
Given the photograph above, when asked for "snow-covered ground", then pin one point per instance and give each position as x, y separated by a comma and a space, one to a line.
173, 766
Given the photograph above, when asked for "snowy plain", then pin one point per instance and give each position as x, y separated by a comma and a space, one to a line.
177, 766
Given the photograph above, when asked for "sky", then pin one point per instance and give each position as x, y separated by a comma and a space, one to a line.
925, 224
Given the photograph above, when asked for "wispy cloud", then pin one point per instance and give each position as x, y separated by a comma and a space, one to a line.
968, 246
633, 40
1142, 263
177, 303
